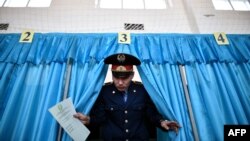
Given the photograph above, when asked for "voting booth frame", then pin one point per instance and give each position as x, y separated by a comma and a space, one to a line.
217, 76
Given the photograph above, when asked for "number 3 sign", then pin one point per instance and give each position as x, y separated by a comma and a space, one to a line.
124, 38
27, 37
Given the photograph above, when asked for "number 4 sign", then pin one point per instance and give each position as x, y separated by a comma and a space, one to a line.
27, 37
221, 38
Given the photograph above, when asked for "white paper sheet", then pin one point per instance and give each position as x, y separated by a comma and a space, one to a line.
63, 112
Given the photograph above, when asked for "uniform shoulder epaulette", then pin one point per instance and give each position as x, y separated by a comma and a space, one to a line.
138, 82
108, 83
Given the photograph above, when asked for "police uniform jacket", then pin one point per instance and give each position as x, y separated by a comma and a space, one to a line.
124, 121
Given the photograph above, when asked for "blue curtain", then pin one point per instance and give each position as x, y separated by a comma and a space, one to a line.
163, 82
32, 79
220, 95
27, 91
85, 85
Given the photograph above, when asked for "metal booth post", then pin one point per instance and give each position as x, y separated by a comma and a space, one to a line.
189, 105
66, 81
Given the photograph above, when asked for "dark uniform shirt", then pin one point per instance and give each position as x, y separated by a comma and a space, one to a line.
124, 121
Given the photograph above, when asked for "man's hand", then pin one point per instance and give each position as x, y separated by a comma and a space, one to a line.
170, 125
83, 118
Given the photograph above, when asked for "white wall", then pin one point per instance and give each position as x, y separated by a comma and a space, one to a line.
81, 16
237, 22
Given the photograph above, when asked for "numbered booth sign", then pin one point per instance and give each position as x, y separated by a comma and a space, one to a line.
221, 38
27, 37
124, 38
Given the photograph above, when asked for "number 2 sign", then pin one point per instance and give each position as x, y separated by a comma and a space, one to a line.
221, 38
27, 37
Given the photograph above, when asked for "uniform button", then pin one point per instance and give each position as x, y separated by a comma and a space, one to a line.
126, 121
127, 130
125, 111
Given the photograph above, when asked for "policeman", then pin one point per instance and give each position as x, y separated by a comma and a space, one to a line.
122, 105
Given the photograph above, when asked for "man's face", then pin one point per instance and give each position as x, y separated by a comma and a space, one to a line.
122, 84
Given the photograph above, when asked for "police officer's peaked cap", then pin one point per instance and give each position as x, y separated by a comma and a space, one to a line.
122, 64
122, 59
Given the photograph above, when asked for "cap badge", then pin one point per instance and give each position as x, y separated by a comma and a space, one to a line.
121, 57
121, 68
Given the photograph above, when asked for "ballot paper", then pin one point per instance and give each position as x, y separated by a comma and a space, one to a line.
63, 112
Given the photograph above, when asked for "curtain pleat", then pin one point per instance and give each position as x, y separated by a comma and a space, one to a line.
219, 94
156, 48
163, 83
32, 90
